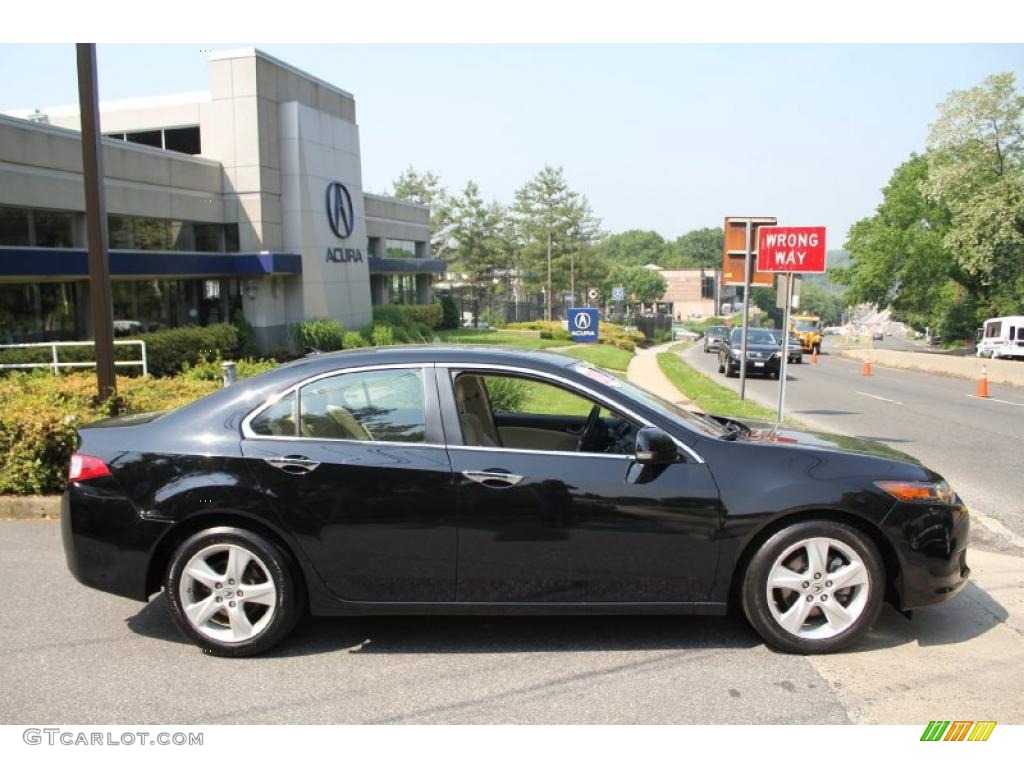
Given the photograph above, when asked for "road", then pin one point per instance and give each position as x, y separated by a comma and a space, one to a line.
973, 443
74, 655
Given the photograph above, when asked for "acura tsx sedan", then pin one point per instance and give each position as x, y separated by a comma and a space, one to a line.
426, 479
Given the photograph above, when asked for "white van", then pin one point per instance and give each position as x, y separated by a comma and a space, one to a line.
1002, 337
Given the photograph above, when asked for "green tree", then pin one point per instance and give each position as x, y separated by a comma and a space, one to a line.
898, 256
641, 284
976, 171
635, 248
426, 189
697, 248
554, 224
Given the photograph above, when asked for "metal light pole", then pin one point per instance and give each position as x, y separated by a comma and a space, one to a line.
100, 299
789, 278
746, 311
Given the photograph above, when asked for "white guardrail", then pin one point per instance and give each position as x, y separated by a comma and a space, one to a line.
55, 364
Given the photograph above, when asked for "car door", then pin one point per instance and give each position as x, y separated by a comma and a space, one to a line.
355, 465
550, 526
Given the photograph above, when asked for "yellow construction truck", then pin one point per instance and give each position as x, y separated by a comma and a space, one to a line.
808, 330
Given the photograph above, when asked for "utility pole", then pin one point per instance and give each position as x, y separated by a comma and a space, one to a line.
100, 298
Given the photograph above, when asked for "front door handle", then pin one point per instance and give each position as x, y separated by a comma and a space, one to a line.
293, 464
493, 479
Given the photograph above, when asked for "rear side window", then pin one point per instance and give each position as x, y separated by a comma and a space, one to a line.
277, 420
385, 405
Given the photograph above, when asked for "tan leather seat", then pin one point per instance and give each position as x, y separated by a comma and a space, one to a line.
475, 412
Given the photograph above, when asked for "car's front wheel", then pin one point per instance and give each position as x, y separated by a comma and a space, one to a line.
814, 587
233, 592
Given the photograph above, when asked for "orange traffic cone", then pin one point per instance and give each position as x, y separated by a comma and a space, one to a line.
814, 356
983, 382
867, 365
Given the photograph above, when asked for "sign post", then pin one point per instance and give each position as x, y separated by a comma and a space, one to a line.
788, 250
739, 240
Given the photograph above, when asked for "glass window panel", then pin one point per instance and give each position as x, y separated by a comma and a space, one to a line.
231, 238
278, 419
120, 232
151, 234
14, 226
208, 237
149, 138
182, 236
371, 405
182, 139
54, 229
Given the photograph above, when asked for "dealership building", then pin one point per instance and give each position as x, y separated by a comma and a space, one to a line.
248, 196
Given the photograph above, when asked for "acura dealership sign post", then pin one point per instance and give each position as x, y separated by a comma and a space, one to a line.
789, 250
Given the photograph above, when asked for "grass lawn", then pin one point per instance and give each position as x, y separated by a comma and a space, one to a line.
602, 355
710, 396
523, 339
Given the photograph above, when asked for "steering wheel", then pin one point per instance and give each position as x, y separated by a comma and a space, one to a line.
591, 426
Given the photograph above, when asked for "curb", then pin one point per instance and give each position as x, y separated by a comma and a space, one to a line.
29, 507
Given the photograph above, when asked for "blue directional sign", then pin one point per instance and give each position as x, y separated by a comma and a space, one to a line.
583, 324
618, 293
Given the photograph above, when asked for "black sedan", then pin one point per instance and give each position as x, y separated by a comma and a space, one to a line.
764, 353
461, 480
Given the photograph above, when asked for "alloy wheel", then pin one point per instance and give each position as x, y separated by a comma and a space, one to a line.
817, 588
227, 594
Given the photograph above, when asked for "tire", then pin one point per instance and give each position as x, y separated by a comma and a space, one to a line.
799, 361
822, 629
729, 372
721, 368
201, 571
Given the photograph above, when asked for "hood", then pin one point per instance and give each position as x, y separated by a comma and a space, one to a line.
769, 432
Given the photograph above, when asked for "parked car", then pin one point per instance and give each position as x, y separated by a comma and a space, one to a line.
877, 336
457, 480
764, 353
1002, 337
794, 350
685, 334
713, 337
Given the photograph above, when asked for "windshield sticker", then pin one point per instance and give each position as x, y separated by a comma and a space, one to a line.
599, 376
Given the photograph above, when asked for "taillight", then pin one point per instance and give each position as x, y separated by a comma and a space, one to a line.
86, 468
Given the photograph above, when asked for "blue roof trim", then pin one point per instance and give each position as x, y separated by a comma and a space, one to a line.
384, 265
74, 263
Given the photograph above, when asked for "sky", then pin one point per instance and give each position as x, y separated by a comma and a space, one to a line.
662, 137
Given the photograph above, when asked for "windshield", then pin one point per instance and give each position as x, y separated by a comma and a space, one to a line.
757, 336
806, 325
659, 405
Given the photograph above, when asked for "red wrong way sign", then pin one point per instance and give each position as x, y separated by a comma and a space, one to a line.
791, 249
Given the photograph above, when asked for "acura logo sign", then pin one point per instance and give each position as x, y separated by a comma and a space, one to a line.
339, 209
582, 322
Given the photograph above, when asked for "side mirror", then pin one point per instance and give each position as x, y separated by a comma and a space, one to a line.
653, 447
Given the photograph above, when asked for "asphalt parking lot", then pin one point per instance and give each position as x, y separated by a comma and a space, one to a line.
71, 654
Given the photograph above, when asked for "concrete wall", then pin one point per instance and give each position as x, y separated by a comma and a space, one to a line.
41, 167
388, 218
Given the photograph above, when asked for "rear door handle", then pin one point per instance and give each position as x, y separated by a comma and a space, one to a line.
493, 479
293, 464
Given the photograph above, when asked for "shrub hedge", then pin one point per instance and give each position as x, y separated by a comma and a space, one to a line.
325, 334
42, 411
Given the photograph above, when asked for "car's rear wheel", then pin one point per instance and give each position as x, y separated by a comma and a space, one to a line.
814, 587
233, 592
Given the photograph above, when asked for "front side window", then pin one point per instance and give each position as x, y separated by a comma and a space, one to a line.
386, 405
507, 411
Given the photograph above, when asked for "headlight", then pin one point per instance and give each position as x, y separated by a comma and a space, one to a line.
924, 493
733, 353
776, 354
